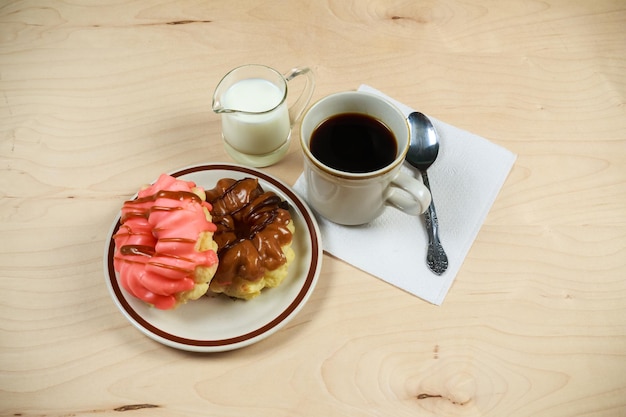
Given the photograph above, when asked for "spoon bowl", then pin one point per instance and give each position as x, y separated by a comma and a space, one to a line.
423, 151
424, 145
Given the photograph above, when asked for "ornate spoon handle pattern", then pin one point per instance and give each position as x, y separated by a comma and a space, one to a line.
435, 257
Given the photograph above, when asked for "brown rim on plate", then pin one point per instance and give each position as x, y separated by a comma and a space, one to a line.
280, 318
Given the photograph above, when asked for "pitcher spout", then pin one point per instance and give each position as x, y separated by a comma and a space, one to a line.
219, 108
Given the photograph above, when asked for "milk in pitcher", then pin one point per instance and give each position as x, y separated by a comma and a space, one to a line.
250, 129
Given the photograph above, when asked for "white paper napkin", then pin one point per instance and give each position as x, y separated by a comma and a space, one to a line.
465, 181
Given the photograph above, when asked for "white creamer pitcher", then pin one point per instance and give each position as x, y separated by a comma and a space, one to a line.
256, 120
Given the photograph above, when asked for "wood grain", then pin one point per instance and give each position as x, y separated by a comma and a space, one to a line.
98, 99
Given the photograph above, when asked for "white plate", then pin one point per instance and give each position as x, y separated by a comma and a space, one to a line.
213, 324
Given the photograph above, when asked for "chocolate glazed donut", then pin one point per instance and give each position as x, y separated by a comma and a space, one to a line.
251, 230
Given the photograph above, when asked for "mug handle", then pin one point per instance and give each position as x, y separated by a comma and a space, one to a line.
297, 109
416, 198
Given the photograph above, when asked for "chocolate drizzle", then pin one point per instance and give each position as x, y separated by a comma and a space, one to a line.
138, 211
150, 251
142, 250
172, 195
251, 229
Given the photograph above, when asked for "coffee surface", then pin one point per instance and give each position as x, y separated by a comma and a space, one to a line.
353, 142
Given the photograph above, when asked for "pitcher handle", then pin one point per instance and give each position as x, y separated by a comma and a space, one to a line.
297, 109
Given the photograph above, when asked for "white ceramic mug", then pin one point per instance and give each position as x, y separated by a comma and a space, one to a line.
351, 198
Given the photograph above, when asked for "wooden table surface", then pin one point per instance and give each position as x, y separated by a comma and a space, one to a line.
97, 100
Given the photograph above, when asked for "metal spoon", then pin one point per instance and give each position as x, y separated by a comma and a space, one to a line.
423, 151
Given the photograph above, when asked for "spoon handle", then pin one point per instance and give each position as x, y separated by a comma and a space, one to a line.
435, 257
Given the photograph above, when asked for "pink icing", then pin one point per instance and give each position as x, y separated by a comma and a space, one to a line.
155, 252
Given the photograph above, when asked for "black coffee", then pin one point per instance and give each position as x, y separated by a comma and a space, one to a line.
353, 142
